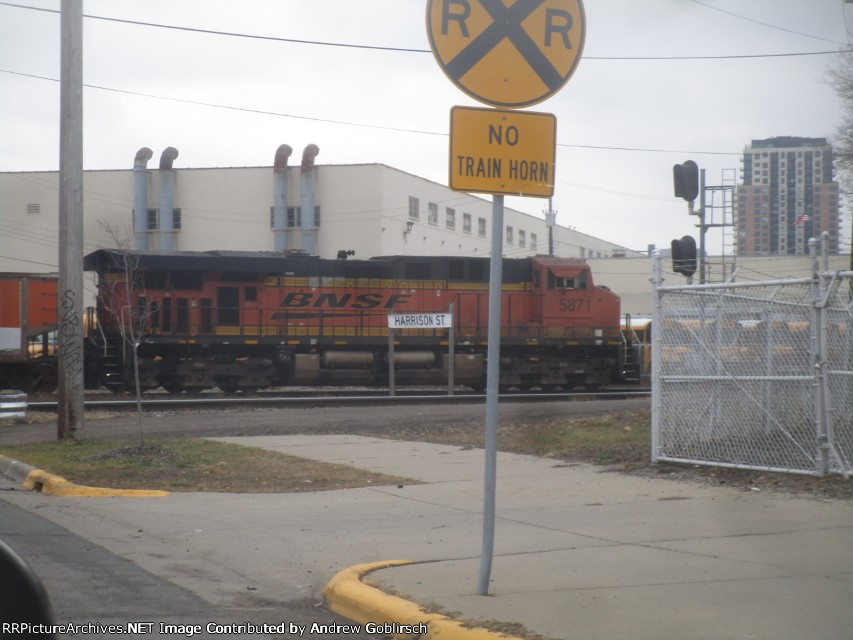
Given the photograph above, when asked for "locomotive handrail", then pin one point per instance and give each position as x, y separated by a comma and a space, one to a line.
101, 329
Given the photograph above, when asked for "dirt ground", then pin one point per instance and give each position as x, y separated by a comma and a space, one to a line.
426, 422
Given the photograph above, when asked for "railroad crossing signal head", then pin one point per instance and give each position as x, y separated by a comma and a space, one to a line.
684, 256
686, 180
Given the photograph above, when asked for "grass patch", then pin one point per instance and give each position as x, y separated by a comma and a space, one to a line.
191, 465
622, 441
617, 438
621, 438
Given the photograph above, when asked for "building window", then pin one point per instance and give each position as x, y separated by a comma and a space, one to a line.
294, 217
153, 223
522, 238
481, 227
466, 222
414, 208
534, 241
450, 219
509, 238
432, 213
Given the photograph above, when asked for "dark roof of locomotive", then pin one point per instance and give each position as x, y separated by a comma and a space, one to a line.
105, 260
231, 261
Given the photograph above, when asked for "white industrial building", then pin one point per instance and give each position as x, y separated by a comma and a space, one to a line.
369, 209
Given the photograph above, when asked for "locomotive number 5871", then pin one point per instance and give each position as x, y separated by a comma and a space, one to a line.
574, 305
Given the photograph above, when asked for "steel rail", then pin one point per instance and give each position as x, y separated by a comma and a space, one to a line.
470, 398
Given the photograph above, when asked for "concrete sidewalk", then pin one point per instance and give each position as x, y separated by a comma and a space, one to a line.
580, 552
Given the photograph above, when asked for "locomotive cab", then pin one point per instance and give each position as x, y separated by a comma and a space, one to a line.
568, 304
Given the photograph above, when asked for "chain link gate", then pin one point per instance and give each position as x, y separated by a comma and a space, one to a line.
755, 375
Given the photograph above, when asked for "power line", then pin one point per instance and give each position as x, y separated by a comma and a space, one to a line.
739, 56
231, 107
765, 24
325, 43
647, 150
344, 122
231, 34
44, 264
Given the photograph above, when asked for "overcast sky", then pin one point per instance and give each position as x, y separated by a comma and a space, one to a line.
621, 123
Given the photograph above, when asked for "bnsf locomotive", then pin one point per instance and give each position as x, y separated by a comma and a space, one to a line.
245, 321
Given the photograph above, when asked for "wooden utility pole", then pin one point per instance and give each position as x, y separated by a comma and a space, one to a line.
70, 296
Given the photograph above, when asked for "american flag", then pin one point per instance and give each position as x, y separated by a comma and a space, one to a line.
801, 219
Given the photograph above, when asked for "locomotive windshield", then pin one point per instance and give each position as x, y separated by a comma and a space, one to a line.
565, 279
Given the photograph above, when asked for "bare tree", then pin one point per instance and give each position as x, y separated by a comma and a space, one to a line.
841, 79
117, 296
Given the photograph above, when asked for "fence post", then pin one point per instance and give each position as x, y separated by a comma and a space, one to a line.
818, 337
657, 280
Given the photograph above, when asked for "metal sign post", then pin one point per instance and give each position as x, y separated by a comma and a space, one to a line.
451, 352
392, 382
492, 389
416, 321
507, 55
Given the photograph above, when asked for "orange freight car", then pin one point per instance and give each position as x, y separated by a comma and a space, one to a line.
28, 325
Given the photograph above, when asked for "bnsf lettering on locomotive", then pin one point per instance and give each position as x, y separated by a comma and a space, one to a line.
297, 299
368, 301
303, 299
332, 300
395, 298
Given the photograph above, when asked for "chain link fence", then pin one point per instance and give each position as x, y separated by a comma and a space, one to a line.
756, 375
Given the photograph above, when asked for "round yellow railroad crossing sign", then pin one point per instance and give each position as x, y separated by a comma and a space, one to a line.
507, 53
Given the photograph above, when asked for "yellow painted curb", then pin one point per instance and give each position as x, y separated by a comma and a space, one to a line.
40, 480
348, 596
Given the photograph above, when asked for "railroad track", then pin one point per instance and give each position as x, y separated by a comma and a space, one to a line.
316, 398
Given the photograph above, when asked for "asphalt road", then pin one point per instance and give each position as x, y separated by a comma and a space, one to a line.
90, 586
361, 419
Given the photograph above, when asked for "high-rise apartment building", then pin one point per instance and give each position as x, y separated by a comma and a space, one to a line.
787, 196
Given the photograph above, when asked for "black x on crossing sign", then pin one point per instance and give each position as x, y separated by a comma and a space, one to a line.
507, 53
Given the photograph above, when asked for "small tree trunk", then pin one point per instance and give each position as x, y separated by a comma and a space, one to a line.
138, 394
